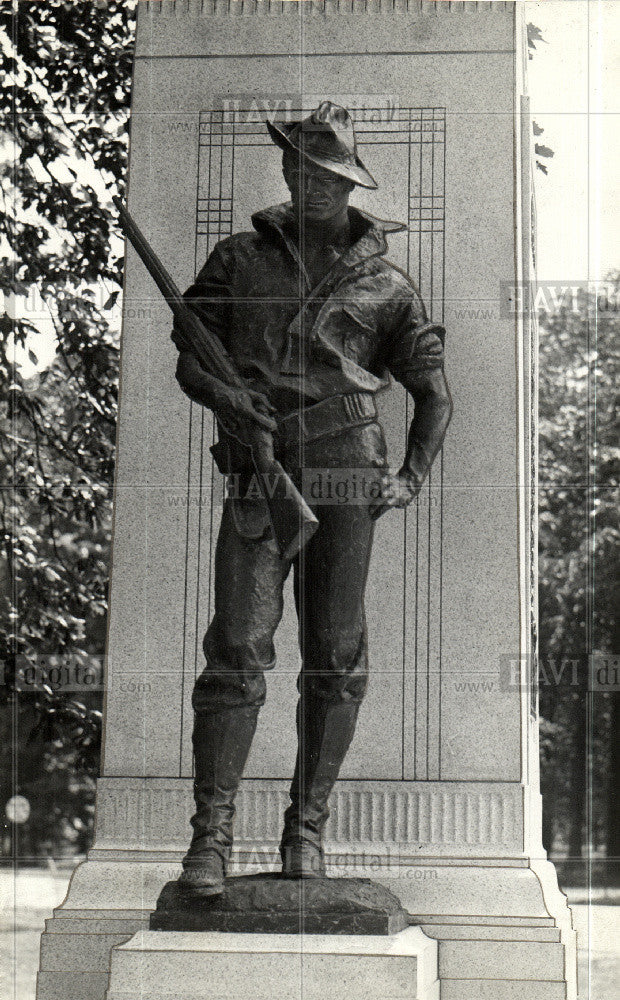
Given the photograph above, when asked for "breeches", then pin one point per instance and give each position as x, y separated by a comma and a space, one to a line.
329, 582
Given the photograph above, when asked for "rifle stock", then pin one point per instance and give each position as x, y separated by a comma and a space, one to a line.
292, 521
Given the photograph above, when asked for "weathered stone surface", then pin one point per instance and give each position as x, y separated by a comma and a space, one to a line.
156, 965
268, 903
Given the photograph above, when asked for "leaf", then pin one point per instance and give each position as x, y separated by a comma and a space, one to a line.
537, 129
534, 35
543, 150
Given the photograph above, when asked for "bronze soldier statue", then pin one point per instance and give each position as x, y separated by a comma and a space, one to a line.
316, 320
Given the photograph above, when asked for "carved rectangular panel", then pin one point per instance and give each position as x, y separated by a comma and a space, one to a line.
236, 170
402, 821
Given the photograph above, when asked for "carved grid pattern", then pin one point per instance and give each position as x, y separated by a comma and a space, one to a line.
422, 129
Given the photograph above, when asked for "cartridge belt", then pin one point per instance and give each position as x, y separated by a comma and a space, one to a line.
328, 417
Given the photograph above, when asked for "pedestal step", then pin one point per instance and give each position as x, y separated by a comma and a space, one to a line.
58, 952
484, 932
75, 954
71, 985
97, 925
501, 960
163, 965
479, 989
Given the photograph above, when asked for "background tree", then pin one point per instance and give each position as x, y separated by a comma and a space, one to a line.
65, 102
578, 589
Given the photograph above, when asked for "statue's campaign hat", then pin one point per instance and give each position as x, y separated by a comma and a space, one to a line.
327, 138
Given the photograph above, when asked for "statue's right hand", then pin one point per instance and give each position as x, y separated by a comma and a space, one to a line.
236, 406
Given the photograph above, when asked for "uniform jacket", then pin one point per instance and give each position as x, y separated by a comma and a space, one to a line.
363, 321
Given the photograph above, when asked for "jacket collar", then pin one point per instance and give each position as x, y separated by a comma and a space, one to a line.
369, 233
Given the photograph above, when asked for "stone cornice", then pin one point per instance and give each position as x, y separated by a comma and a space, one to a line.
175, 29
236, 8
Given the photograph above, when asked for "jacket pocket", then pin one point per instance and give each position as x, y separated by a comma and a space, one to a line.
358, 336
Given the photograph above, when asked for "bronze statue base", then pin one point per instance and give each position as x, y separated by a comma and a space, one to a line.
271, 904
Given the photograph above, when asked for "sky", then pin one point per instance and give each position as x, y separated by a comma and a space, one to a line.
574, 84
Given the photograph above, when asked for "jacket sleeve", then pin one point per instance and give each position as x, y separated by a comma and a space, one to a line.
415, 358
210, 297
413, 344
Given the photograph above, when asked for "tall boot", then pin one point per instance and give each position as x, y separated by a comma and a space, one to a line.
222, 742
324, 729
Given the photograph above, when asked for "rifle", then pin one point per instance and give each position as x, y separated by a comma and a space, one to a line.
292, 521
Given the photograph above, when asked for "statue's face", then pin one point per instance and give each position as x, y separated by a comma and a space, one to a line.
316, 193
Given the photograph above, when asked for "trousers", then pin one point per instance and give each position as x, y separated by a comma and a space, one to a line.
330, 576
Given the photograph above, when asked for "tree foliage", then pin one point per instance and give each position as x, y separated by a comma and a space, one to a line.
578, 526
65, 102
534, 35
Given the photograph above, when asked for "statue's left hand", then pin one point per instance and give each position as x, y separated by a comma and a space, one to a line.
398, 489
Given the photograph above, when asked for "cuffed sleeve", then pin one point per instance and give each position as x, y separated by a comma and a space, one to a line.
415, 345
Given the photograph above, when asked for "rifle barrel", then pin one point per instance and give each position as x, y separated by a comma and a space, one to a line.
208, 349
292, 520
149, 258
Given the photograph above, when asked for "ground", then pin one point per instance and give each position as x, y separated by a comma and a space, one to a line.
28, 897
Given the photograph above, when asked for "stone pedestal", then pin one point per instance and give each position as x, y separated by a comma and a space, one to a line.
183, 966
439, 798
